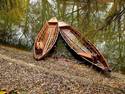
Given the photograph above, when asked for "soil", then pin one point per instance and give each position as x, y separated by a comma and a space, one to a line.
19, 71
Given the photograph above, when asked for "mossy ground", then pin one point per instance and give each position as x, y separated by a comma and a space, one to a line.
19, 71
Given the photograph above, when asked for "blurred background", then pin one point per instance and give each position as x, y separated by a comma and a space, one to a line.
100, 21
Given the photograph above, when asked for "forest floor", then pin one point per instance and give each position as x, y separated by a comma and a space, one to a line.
19, 71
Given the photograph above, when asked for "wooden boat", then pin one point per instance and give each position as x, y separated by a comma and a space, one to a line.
82, 47
46, 39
